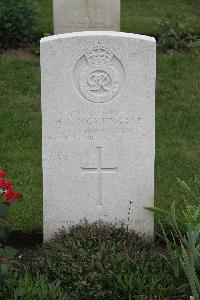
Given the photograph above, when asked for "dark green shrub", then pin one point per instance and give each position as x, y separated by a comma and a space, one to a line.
174, 35
99, 261
17, 22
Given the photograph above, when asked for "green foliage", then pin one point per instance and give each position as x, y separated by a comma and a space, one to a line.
6, 260
187, 217
136, 279
15, 287
3, 211
7, 252
172, 34
4, 230
38, 288
188, 264
17, 22
184, 250
99, 261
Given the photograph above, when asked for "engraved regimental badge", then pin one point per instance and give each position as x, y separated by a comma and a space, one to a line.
99, 75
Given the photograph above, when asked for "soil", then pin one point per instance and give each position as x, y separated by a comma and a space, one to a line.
23, 54
24, 240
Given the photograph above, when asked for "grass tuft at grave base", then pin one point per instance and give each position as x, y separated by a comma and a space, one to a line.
100, 261
177, 130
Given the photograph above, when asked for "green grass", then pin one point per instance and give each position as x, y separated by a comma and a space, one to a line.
177, 124
140, 16
45, 21
20, 135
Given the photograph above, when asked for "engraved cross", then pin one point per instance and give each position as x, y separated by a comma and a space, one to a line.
99, 171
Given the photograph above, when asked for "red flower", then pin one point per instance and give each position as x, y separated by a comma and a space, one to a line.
5, 184
9, 195
2, 173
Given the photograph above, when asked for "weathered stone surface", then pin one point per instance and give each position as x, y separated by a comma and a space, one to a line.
98, 91
80, 15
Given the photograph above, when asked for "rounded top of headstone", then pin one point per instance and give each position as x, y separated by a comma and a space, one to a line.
97, 33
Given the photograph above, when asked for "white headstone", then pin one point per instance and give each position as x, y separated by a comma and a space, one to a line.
80, 15
98, 91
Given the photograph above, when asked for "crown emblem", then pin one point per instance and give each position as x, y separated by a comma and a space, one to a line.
98, 55
98, 74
